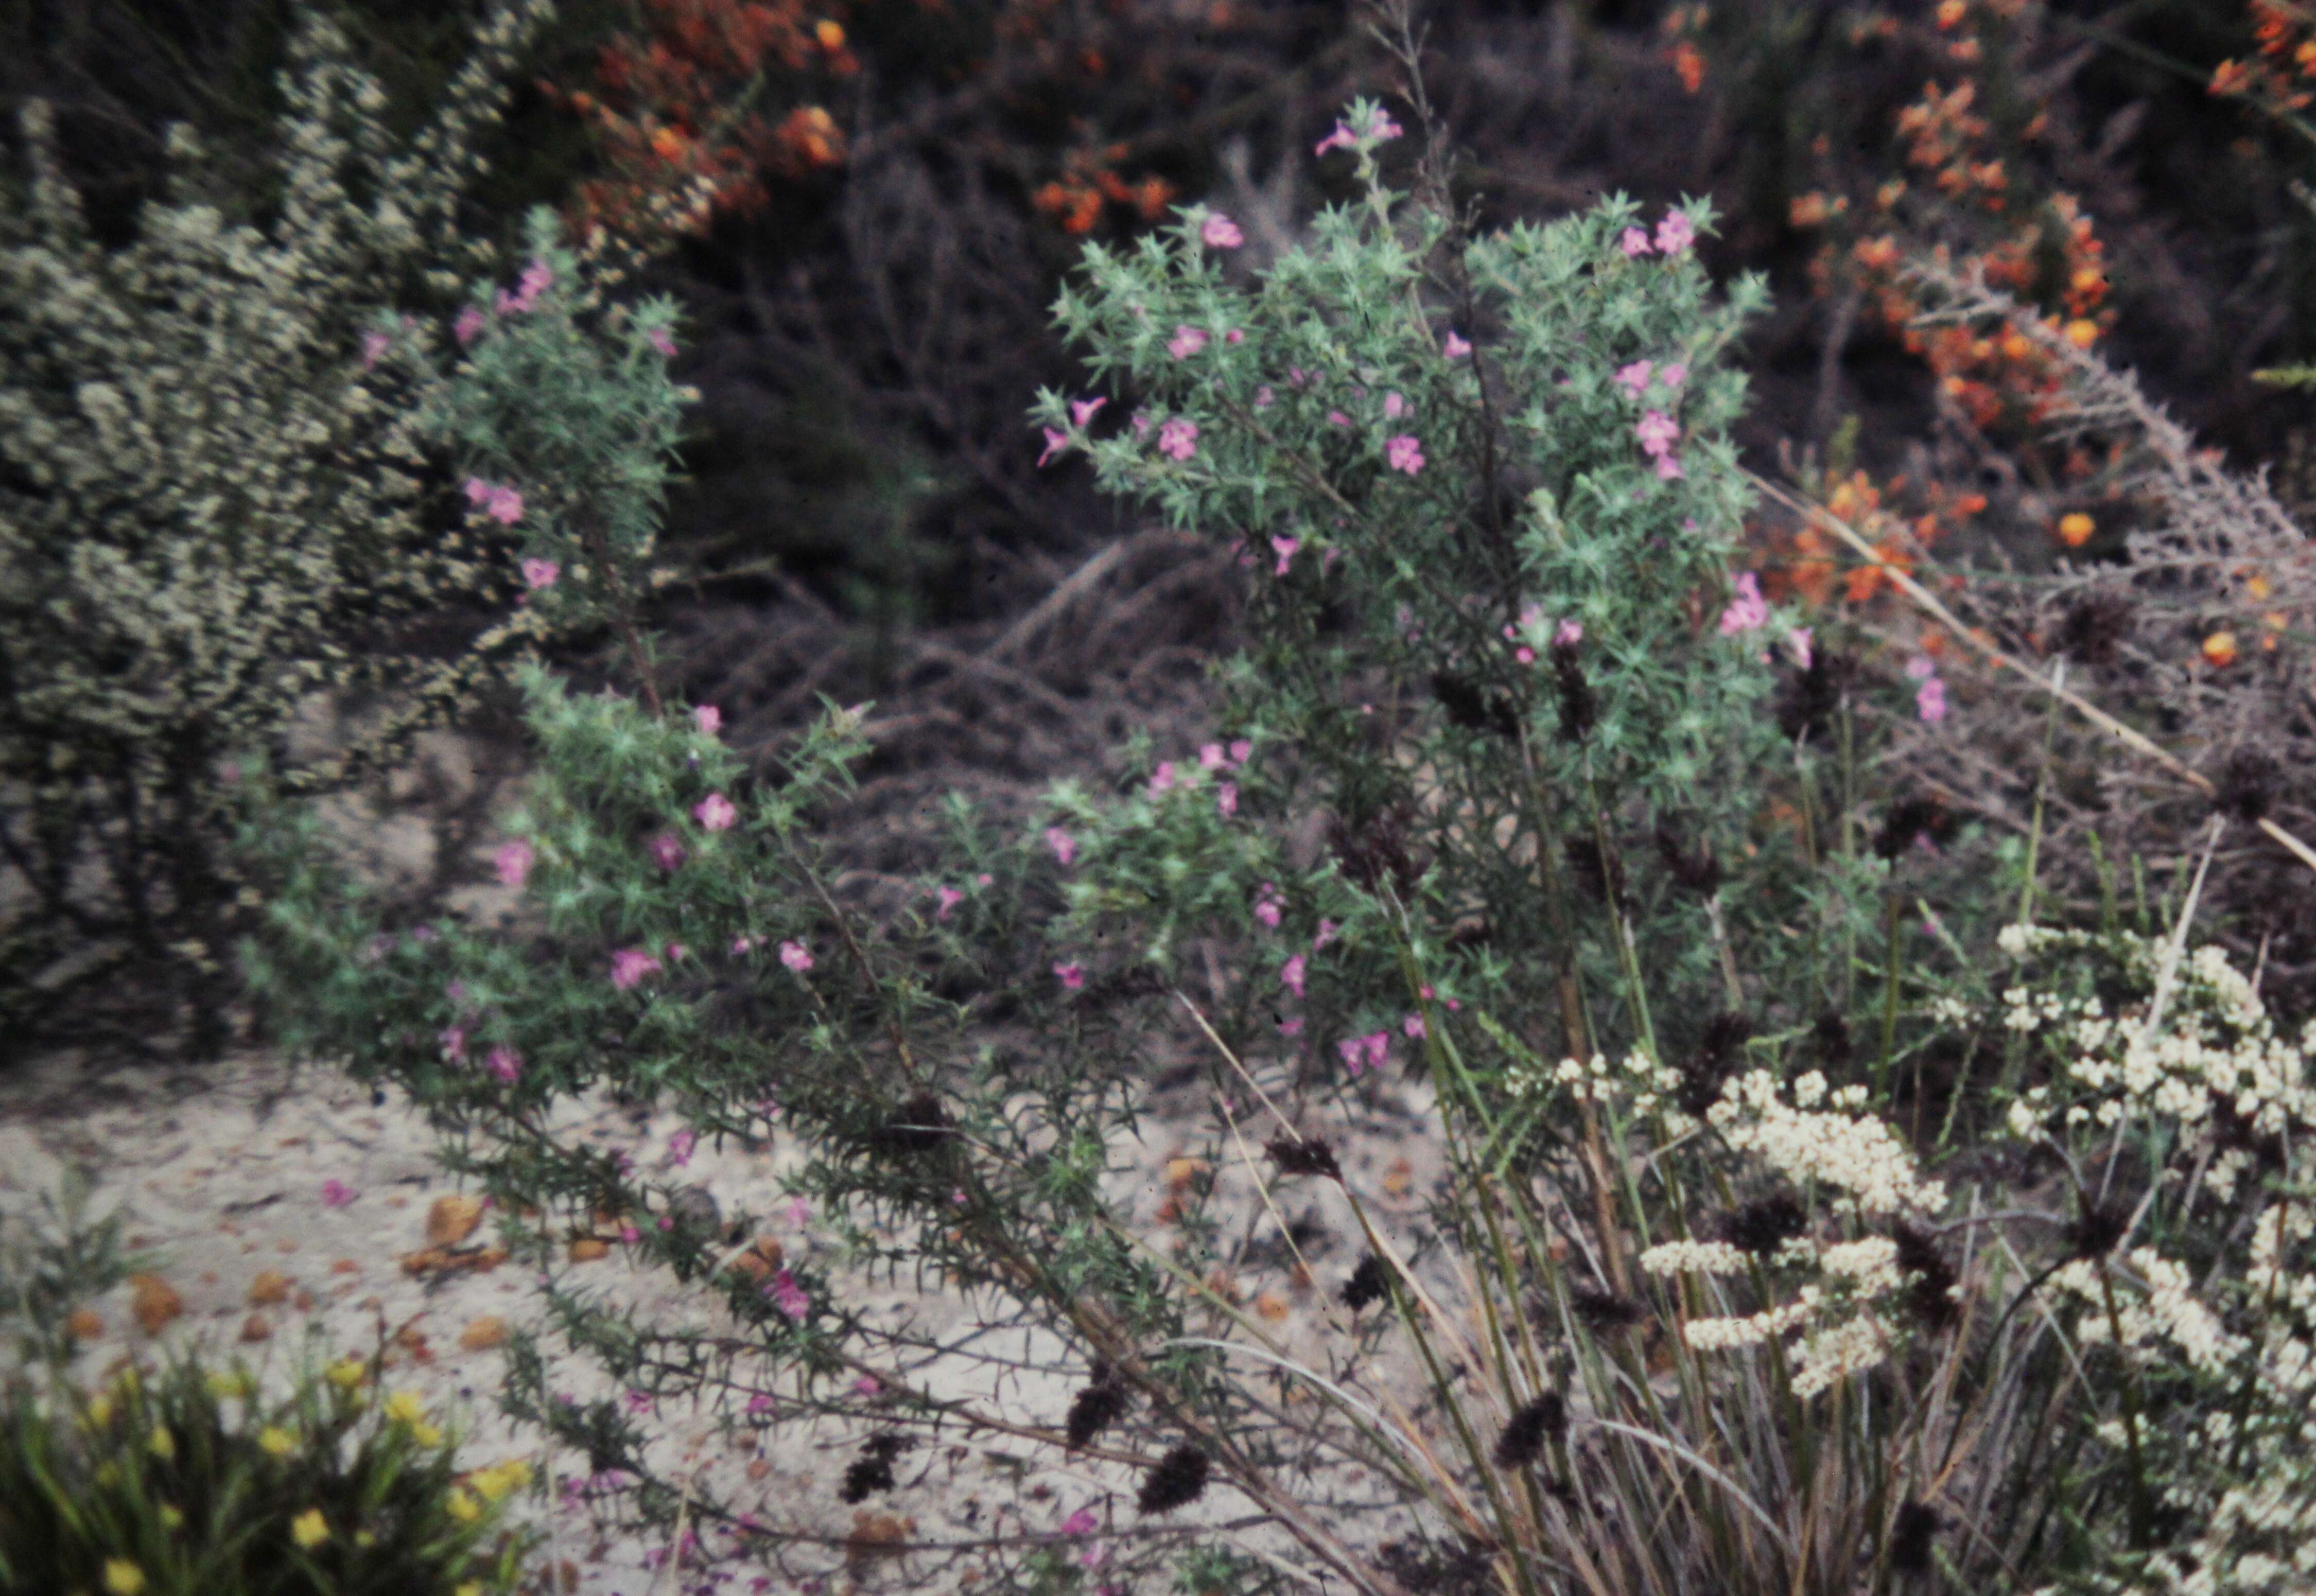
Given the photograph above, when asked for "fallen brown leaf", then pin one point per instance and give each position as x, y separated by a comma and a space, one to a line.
1399, 1177
762, 1260
586, 1249
346, 1266
154, 1301
84, 1324
268, 1288
1271, 1305
452, 1220
483, 1333
759, 1468
256, 1327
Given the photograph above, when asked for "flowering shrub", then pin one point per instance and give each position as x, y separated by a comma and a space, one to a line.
1521, 786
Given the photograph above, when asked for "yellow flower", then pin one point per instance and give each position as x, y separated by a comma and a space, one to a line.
309, 1529
2219, 649
122, 1577
163, 1445
462, 1506
406, 1407
830, 34
471, 1588
2075, 529
100, 1413
497, 1480
365, 1539
425, 1435
108, 1474
223, 1386
347, 1373
2082, 333
277, 1440
171, 1518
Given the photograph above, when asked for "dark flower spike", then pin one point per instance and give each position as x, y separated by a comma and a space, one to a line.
919, 1125
1601, 1311
1468, 707
1930, 1286
2093, 629
1579, 709
1696, 872
2096, 1230
1298, 1155
1715, 1058
1367, 1285
1918, 816
1760, 1228
1175, 1480
1523, 1442
870, 1473
1097, 1406
1911, 1537
1830, 1039
1809, 699
2248, 785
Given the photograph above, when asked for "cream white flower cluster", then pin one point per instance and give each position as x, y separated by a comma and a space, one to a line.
1843, 1332
2156, 1311
2216, 1047
1821, 1140
1638, 1081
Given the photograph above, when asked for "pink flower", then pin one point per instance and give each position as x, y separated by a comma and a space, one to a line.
1656, 430
1266, 908
868, 1385
1221, 233
1635, 243
1162, 778
514, 861
715, 812
760, 1404
1920, 666
1634, 378
1381, 127
1140, 423
1296, 378
1340, 138
535, 278
666, 852
1235, 335
1378, 1046
336, 1194
629, 966
1080, 1522
374, 345
796, 956
1290, 975
675, 951
949, 898
1458, 346
1674, 375
1291, 1026
1188, 340
680, 1145
1930, 700
788, 1296
468, 325
1241, 751
1064, 848
1328, 931
1073, 975
505, 506
799, 1211
1226, 798
1669, 468
537, 574
1056, 440
709, 719
1336, 418
478, 492
1747, 610
1568, 634
1081, 411
1675, 232
1263, 397
639, 1402
630, 1235
504, 1063
1284, 547
1413, 1026
1404, 454
1352, 1049
741, 945
1179, 440
1524, 654
1394, 406
1211, 757
454, 1044
660, 340
1798, 642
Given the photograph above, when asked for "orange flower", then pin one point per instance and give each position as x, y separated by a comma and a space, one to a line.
2230, 78
2082, 333
2219, 649
1689, 65
2075, 529
830, 34
667, 143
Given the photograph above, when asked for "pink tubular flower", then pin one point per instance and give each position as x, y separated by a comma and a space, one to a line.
1635, 243
709, 719
1353, 1054
1290, 975
505, 507
675, 952
629, 966
1395, 405
1656, 431
1161, 780
1920, 666
1188, 340
1221, 233
796, 956
788, 1296
949, 898
715, 812
760, 1404
660, 340
1674, 375
535, 278
514, 861
374, 347
1056, 441
1413, 1026
1284, 547
1634, 378
1072, 974
1266, 907
1378, 1046
1081, 411
666, 852
1381, 127
1336, 418
1669, 468
1340, 138
503, 1063
1747, 610
468, 325
1291, 1026
1211, 757
336, 1194
1568, 634
1457, 347
1241, 751
1081, 1522
1404, 454
868, 1385
454, 1044
1064, 847
478, 492
1328, 931
1798, 642
1235, 335
1226, 798
680, 1145
1675, 232
1263, 397
741, 945
1930, 700
1179, 440
539, 574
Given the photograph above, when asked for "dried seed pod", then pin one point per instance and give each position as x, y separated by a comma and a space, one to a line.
1546, 1418
1911, 1536
1602, 1311
1097, 1406
1367, 1285
1176, 1480
2094, 627
1299, 1154
2248, 785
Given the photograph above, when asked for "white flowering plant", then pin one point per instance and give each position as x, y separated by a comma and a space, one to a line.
1519, 776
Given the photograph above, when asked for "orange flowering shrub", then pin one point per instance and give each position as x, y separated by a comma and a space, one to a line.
1903, 519
1684, 32
2282, 77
